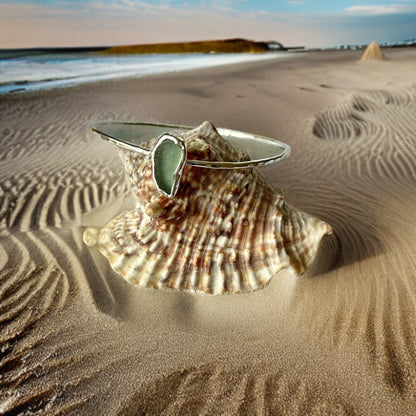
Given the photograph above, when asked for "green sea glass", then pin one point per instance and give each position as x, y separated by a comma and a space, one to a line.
167, 160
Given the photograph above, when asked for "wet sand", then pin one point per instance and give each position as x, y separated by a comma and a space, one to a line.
77, 339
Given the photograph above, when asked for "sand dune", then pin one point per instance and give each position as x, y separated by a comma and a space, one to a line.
373, 52
76, 339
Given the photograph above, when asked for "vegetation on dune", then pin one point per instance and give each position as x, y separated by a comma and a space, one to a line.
213, 46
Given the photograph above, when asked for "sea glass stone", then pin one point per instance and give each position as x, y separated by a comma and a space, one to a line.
169, 156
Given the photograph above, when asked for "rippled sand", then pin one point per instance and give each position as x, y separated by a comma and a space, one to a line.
76, 339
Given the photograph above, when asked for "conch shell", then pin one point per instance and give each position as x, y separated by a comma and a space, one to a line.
226, 231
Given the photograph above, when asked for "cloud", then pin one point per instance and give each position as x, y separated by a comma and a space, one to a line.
382, 9
127, 6
28, 10
84, 9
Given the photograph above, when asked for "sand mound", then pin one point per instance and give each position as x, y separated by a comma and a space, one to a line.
372, 52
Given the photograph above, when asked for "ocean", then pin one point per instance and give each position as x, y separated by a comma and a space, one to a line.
54, 70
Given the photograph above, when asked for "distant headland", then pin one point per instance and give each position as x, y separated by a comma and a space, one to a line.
236, 45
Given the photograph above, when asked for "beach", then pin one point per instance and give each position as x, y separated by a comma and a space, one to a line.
341, 340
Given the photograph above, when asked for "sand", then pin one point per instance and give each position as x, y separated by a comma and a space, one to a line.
76, 339
372, 52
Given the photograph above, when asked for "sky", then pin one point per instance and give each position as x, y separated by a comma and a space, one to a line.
320, 23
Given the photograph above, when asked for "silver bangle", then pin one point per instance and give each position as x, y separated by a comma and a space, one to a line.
128, 135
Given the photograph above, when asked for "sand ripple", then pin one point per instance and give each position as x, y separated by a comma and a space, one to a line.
386, 120
215, 391
43, 198
360, 116
52, 171
32, 287
52, 168
375, 132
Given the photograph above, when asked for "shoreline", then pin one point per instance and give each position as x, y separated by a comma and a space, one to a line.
62, 73
311, 57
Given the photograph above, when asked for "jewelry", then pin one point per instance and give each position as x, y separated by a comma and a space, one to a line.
169, 155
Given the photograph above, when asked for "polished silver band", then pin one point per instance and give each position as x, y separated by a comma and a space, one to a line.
262, 150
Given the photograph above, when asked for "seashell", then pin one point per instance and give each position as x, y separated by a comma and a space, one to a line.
225, 231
